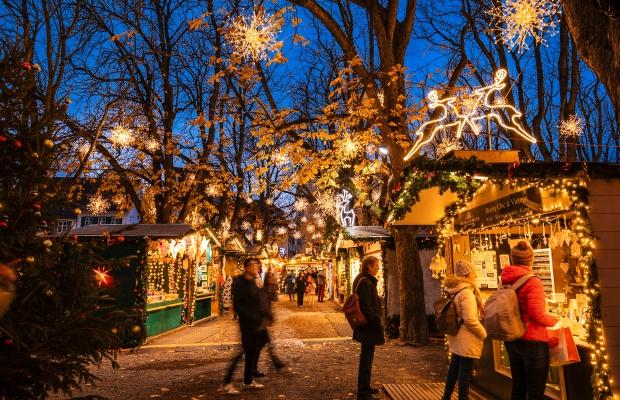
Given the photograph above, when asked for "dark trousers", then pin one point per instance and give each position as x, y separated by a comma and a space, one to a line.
231, 368
263, 341
300, 298
250, 340
291, 296
365, 368
529, 365
460, 370
321, 289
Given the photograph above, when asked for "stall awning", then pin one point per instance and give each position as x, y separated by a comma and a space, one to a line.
367, 232
136, 230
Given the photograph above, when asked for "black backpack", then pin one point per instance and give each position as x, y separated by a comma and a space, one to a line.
448, 321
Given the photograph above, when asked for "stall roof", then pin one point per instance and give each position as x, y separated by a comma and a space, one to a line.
367, 232
140, 230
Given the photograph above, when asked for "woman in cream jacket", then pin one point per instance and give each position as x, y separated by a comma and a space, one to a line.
466, 345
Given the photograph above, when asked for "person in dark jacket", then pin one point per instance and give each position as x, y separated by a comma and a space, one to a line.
253, 316
289, 286
300, 287
371, 333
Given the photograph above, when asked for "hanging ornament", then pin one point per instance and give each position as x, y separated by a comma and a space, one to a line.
254, 37
301, 204
447, 146
102, 276
152, 145
97, 205
281, 230
518, 20
297, 235
48, 143
121, 136
571, 127
269, 201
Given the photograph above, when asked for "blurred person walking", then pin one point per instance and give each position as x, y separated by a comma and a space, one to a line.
289, 286
321, 281
300, 287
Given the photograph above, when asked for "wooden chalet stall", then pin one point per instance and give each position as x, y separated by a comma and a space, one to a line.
571, 216
173, 272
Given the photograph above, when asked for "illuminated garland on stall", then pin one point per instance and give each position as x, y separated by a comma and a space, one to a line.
568, 178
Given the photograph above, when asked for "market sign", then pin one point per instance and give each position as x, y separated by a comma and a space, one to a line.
513, 206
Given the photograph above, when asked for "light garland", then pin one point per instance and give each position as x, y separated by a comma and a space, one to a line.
254, 37
481, 99
97, 204
121, 136
447, 146
518, 20
576, 188
571, 127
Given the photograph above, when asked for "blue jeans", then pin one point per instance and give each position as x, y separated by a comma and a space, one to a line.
460, 370
529, 365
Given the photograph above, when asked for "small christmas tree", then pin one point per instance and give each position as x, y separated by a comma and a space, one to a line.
59, 322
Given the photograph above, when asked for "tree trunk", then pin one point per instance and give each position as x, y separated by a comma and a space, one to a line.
413, 324
597, 38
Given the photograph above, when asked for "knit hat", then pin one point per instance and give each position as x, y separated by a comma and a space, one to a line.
522, 254
463, 268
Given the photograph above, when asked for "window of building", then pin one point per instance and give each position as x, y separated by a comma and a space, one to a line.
63, 225
104, 220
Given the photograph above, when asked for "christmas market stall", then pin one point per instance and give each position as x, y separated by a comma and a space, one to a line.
568, 213
358, 242
172, 277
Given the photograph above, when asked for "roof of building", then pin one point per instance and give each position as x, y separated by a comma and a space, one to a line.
367, 232
136, 230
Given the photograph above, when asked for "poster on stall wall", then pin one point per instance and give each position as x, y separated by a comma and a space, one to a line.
543, 268
486, 268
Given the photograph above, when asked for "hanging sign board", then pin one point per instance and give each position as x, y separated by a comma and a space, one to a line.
515, 205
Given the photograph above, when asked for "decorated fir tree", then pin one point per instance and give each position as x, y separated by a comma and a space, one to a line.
58, 321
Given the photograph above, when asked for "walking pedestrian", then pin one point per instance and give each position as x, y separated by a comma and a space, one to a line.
271, 285
310, 289
321, 281
249, 306
300, 287
371, 333
529, 355
466, 346
289, 285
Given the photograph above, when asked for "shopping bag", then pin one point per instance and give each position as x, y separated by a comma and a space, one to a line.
566, 351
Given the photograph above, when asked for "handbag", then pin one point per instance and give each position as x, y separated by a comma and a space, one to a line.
565, 352
351, 308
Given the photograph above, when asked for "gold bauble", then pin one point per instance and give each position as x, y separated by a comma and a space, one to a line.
30, 259
135, 329
48, 143
47, 243
77, 211
115, 330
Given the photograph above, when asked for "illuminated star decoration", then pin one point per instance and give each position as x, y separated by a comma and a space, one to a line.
297, 235
571, 127
152, 145
517, 20
212, 190
349, 147
255, 36
245, 225
121, 136
301, 204
102, 276
97, 204
485, 107
281, 230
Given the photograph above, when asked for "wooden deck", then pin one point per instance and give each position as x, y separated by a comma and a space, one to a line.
423, 391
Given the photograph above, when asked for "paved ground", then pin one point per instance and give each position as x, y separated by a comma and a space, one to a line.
314, 341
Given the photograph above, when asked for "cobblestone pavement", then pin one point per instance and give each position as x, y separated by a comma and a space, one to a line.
314, 341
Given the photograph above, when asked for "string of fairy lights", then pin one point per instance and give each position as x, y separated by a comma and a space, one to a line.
576, 189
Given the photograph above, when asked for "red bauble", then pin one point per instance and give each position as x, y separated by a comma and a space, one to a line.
17, 143
26, 65
120, 239
397, 186
3, 138
8, 342
4, 224
36, 206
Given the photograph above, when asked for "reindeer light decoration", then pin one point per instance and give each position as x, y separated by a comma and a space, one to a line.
347, 215
482, 107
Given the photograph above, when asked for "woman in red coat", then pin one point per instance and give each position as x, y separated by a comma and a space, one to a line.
529, 355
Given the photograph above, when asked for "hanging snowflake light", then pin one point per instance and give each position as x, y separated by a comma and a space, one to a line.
121, 136
97, 204
292, 225
259, 235
571, 127
152, 145
246, 226
326, 202
310, 228
349, 147
320, 223
212, 190
281, 230
254, 37
447, 146
279, 158
517, 20
304, 219
316, 236
225, 229
297, 235
102, 276
301, 204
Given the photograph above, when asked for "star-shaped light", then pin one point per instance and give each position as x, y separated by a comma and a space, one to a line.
301, 204
97, 204
102, 276
152, 145
121, 136
297, 235
518, 20
281, 230
571, 127
254, 37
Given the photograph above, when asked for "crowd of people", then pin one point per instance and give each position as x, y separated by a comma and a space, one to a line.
529, 355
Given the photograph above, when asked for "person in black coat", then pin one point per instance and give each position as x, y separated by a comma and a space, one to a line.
371, 333
300, 286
